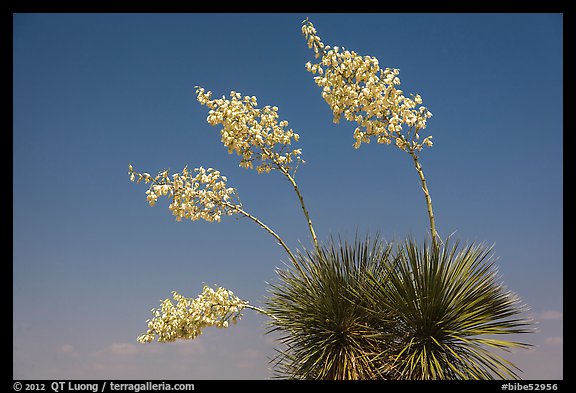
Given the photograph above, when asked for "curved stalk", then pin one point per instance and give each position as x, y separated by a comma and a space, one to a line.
418, 167
301, 199
264, 226
261, 311
270, 231
290, 178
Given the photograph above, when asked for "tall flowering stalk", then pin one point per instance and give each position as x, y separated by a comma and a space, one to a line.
358, 89
257, 136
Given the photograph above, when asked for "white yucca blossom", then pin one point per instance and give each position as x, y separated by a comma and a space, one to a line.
356, 88
202, 194
257, 136
188, 317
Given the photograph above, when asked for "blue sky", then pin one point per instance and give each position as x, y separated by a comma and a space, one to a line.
94, 92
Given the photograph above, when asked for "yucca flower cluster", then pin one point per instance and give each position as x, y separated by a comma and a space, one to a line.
200, 194
253, 134
356, 88
186, 319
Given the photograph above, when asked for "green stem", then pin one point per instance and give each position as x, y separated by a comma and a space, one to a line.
270, 231
264, 226
301, 199
418, 167
290, 178
261, 311
264, 312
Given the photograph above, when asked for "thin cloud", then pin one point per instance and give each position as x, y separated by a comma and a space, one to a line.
68, 349
126, 349
190, 347
554, 340
551, 315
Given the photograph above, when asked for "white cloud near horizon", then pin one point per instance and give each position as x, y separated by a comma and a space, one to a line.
554, 340
550, 315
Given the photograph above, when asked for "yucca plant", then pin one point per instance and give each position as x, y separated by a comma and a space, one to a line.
322, 317
366, 311
450, 309
361, 310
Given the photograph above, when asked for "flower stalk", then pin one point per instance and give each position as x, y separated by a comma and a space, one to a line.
304, 210
274, 234
258, 137
418, 166
358, 89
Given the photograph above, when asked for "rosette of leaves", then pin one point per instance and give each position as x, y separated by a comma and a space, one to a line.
451, 312
322, 319
367, 310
